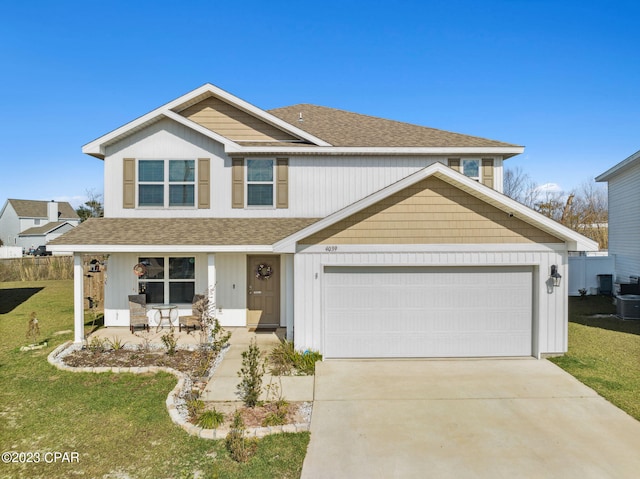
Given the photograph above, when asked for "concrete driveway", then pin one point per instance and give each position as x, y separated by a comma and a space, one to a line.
504, 418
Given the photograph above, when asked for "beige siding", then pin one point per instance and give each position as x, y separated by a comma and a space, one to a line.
487, 172
232, 123
237, 183
129, 183
454, 163
282, 187
204, 189
430, 212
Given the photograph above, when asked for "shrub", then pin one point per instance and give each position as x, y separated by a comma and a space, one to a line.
116, 343
210, 419
195, 407
170, 341
97, 345
278, 416
251, 373
240, 447
285, 360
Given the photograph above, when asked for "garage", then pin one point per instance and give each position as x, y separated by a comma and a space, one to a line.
388, 311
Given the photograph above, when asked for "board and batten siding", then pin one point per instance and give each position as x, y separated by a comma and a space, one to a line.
624, 222
232, 123
317, 186
549, 333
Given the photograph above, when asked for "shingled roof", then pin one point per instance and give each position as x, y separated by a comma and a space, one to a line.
38, 209
347, 129
182, 231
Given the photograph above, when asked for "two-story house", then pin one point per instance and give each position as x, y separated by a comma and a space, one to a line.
363, 237
31, 223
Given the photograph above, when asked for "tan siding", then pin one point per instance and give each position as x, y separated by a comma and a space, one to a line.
129, 183
430, 212
231, 122
237, 183
454, 163
282, 187
487, 172
204, 188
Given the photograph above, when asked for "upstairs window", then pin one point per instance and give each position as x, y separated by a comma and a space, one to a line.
260, 184
177, 285
471, 168
166, 183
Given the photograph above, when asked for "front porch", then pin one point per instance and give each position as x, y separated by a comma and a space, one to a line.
246, 289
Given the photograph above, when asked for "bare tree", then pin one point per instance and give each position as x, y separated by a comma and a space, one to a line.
92, 208
584, 210
519, 186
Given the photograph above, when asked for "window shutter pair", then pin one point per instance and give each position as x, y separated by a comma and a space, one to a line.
129, 183
281, 183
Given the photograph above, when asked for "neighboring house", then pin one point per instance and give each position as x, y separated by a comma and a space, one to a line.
623, 182
363, 237
31, 223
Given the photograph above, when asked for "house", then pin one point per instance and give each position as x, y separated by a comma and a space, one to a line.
623, 182
363, 237
31, 223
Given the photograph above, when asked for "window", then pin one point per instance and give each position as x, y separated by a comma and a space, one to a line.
178, 286
260, 183
166, 183
471, 168
36, 222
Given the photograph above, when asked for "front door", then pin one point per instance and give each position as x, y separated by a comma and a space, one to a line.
263, 295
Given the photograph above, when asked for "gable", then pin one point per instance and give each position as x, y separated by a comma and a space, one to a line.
233, 123
430, 211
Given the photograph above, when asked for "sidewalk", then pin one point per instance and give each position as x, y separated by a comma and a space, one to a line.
222, 386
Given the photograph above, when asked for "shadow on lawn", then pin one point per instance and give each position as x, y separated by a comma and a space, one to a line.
599, 312
14, 297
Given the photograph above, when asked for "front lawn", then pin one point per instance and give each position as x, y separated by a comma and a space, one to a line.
117, 423
604, 352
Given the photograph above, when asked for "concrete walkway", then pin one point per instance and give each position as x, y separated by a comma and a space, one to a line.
222, 386
521, 418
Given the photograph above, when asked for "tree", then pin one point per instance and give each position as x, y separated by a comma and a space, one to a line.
92, 208
584, 210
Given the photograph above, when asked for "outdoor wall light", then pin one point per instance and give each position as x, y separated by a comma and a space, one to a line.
555, 276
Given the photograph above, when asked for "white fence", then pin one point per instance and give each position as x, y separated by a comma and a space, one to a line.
584, 271
10, 252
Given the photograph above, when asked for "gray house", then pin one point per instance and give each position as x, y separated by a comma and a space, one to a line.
624, 216
31, 223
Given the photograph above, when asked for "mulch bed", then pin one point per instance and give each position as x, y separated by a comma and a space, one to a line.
193, 363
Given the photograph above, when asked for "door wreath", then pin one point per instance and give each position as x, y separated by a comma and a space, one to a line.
140, 269
264, 271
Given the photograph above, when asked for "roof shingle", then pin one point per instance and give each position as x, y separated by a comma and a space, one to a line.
182, 231
347, 129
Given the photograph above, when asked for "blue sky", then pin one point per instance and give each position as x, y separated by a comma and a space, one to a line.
559, 77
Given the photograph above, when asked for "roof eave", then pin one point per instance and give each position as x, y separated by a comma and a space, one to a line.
110, 248
624, 164
97, 147
504, 151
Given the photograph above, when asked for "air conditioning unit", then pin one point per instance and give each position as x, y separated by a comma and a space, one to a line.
628, 306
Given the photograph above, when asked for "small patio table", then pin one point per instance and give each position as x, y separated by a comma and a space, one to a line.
165, 311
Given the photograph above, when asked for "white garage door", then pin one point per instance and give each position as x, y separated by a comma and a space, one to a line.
381, 312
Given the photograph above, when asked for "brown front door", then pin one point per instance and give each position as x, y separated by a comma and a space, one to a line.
263, 291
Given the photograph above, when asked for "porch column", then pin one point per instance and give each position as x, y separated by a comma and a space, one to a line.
211, 280
288, 295
78, 299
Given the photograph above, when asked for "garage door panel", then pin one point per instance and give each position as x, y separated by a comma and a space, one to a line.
427, 312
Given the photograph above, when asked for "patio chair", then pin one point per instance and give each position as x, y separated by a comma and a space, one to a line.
138, 312
194, 320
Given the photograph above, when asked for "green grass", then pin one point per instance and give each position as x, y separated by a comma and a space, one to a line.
604, 352
117, 423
